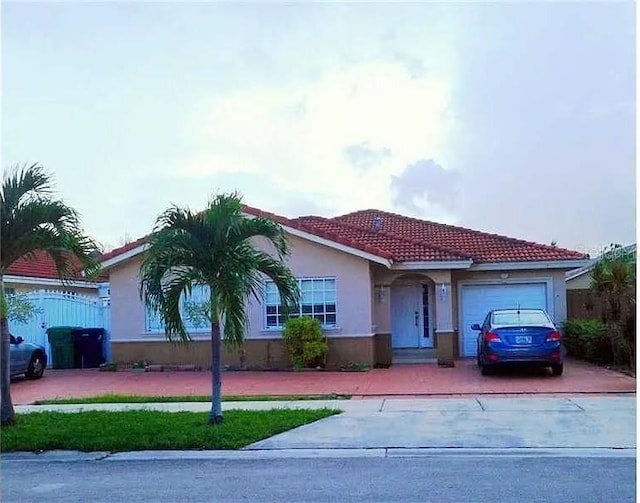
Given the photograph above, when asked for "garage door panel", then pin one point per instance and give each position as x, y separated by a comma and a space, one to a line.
478, 300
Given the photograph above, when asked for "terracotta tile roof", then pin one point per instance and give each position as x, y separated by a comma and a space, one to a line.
312, 226
405, 239
476, 245
123, 249
41, 267
386, 244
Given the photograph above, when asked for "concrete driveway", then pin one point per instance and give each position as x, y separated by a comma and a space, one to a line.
426, 380
602, 422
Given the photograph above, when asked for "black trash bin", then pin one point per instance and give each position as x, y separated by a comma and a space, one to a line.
88, 342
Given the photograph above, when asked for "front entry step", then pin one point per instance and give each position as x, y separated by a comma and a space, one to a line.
411, 355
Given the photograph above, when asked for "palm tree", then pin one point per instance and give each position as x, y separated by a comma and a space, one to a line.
32, 221
215, 248
614, 281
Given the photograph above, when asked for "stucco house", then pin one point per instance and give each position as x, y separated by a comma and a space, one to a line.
580, 278
41, 274
382, 285
582, 302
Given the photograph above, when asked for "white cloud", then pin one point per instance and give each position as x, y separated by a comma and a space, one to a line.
296, 136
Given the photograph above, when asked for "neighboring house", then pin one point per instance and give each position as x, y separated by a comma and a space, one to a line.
73, 303
41, 274
580, 278
380, 283
581, 301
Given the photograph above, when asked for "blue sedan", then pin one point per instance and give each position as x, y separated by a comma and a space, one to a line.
26, 358
519, 336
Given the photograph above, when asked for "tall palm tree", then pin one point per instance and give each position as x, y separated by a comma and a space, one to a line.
215, 248
33, 220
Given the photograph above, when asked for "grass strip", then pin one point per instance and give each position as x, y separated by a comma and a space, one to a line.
149, 430
116, 398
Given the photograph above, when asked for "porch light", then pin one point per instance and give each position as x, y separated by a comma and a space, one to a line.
381, 293
443, 292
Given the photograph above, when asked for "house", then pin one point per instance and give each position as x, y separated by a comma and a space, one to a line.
581, 301
580, 278
76, 302
26, 275
380, 283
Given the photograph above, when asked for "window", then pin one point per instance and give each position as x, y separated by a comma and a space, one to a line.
317, 300
425, 311
520, 318
199, 293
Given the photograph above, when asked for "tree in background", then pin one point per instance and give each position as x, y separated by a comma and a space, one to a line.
214, 248
34, 221
614, 282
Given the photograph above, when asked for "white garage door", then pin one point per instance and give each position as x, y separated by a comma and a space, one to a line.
478, 300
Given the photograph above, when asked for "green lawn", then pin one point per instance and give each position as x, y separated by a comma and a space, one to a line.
114, 398
149, 430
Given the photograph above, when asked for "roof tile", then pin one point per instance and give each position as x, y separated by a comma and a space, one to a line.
405, 239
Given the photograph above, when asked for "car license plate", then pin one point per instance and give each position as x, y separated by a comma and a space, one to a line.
523, 339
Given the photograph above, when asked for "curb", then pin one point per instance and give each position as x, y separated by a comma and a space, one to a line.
262, 454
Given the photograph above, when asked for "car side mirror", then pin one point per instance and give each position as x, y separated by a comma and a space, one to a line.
475, 326
19, 340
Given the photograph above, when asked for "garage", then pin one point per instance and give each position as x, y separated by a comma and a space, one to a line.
477, 300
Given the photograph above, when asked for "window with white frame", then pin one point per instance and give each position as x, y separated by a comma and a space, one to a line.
317, 300
199, 294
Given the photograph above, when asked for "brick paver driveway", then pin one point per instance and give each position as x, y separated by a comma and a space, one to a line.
400, 380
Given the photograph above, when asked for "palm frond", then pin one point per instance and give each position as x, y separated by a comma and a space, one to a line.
32, 221
215, 247
23, 183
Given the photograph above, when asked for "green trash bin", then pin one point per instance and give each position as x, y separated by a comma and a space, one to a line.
62, 349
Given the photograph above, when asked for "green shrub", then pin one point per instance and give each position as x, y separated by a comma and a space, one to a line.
589, 340
305, 342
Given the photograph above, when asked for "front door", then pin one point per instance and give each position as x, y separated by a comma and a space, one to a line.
406, 315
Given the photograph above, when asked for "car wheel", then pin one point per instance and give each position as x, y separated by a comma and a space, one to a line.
36, 366
485, 370
556, 370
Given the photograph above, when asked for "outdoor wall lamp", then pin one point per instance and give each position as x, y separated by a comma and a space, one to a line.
443, 292
381, 293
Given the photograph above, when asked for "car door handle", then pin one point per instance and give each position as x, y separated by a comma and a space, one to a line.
415, 317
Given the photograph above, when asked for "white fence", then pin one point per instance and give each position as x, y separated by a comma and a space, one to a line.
57, 308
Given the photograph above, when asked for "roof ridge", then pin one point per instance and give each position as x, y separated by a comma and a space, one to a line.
467, 229
414, 241
125, 248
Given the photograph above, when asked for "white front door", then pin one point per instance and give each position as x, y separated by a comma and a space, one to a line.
406, 315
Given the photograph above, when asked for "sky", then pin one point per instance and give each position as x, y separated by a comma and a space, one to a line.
510, 118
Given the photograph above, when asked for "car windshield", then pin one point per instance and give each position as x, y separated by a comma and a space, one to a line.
520, 318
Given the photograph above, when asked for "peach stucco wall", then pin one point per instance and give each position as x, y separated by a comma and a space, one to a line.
353, 287
307, 259
127, 310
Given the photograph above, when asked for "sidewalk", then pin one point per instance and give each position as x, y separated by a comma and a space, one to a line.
607, 422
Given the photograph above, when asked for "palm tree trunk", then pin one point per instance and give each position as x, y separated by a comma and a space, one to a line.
215, 416
7, 414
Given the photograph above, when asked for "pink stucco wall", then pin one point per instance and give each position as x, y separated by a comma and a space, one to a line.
127, 310
307, 259
353, 287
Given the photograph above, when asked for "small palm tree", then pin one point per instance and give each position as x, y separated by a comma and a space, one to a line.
32, 221
215, 248
614, 281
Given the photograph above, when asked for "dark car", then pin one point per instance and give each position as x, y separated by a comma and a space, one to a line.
519, 336
26, 358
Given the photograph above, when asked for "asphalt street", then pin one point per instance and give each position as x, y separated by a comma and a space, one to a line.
438, 478
578, 449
